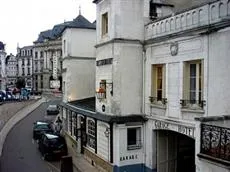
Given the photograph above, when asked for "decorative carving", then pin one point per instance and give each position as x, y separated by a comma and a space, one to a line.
174, 48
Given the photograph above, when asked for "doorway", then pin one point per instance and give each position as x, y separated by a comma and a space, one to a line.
174, 152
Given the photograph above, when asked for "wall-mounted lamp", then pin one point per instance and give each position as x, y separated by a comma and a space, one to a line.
103, 84
101, 92
107, 132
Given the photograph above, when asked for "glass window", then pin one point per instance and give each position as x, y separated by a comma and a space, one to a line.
134, 138
104, 24
91, 134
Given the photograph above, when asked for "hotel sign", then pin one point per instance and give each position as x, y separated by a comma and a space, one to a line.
186, 130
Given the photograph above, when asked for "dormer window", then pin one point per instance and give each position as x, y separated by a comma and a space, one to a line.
104, 24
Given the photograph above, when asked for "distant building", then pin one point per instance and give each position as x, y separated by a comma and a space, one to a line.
25, 62
47, 59
2, 66
11, 70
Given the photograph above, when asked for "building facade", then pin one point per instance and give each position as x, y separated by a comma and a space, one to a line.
2, 66
47, 59
161, 96
25, 65
11, 70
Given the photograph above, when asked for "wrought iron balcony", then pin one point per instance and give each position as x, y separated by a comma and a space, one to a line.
192, 104
215, 142
157, 101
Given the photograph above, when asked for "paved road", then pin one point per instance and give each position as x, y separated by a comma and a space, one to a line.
20, 153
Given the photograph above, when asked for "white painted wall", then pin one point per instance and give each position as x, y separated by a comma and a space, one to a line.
79, 42
219, 69
103, 142
79, 79
79, 63
129, 27
126, 75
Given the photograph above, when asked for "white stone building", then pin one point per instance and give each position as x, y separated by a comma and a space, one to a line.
162, 89
11, 70
2, 66
25, 65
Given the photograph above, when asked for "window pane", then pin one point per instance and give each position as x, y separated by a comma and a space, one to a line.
193, 70
132, 136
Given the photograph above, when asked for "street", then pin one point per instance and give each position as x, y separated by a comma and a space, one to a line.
20, 152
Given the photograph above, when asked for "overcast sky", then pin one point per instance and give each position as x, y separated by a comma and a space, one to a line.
21, 21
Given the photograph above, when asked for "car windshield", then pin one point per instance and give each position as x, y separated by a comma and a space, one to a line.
44, 126
52, 107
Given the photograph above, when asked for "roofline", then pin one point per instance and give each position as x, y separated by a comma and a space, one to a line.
72, 27
96, 1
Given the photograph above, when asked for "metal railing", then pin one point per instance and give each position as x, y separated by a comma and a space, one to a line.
155, 100
215, 141
190, 103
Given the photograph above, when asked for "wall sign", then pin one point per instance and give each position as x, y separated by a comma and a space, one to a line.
186, 130
128, 157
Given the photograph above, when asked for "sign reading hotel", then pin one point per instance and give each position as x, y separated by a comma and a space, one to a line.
186, 130
55, 66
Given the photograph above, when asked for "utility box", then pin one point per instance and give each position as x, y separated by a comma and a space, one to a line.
66, 164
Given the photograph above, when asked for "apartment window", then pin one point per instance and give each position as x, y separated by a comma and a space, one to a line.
36, 54
64, 48
158, 84
28, 71
23, 71
134, 138
193, 84
91, 134
70, 122
23, 62
104, 24
28, 62
41, 54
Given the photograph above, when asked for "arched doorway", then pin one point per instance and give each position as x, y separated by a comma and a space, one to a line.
174, 152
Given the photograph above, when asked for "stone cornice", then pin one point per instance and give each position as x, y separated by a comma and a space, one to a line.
120, 40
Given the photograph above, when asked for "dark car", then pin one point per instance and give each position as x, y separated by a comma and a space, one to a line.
52, 110
41, 127
52, 146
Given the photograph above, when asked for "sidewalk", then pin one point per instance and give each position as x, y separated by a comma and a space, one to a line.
80, 164
12, 113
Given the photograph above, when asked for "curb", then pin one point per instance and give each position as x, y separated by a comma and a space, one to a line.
15, 119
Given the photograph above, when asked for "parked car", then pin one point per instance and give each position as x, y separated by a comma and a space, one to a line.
52, 146
41, 127
52, 110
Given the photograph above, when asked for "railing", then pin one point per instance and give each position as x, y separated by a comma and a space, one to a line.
136, 145
192, 104
215, 141
155, 100
200, 16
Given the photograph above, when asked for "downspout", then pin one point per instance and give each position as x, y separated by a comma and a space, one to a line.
143, 78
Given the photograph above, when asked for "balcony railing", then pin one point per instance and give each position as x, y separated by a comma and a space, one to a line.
192, 104
157, 101
215, 142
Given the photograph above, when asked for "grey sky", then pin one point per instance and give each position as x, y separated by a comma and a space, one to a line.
22, 21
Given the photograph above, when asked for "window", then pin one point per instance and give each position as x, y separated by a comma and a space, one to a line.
193, 84
91, 134
23, 71
28, 62
158, 84
28, 71
23, 62
70, 122
36, 54
104, 24
64, 48
133, 138
41, 54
